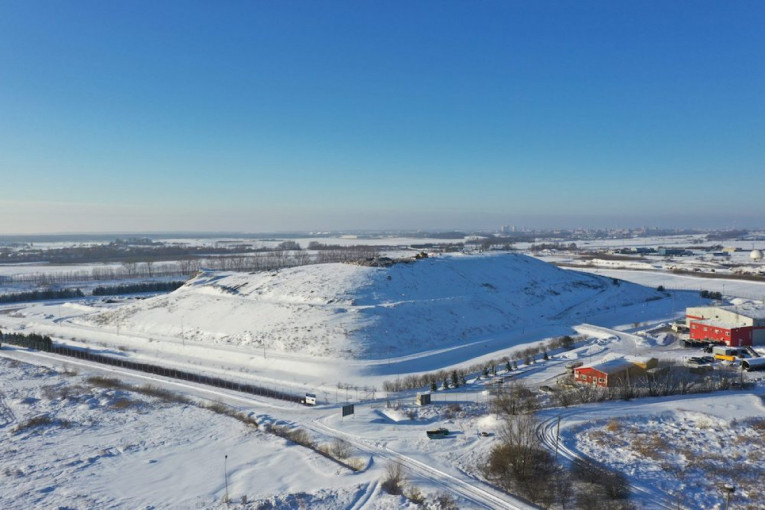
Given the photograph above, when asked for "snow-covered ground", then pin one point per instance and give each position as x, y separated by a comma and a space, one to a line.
315, 326
308, 329
679, 450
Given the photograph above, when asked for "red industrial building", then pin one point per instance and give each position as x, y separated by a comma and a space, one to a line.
731, 335
733, 325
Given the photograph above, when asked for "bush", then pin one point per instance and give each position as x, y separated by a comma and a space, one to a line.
414, 495
107, 382
444, 501
123, 403
611, 484
394, 479
340, 449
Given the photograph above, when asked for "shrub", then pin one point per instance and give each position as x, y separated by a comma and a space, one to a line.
123, 403
414, 495
394, 480
107, 382
444, 501
340, 449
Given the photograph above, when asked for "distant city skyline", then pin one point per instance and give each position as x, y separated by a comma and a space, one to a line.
314, 116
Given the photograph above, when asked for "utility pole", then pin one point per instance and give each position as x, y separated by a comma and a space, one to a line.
728, 490
557, 438
225, 474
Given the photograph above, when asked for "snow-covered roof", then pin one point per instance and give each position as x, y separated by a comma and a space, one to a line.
615, 364
752, 313
720, 324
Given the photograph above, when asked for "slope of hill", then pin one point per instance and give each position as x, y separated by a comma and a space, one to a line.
350, 311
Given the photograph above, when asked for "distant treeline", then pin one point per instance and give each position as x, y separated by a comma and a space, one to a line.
132, 288
139, 250
136, 288
40, 295
31, 341
187, 266
117, 251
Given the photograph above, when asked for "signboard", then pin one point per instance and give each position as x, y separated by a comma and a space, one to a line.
347, 409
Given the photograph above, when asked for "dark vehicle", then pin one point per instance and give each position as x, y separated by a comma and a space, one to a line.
437, 433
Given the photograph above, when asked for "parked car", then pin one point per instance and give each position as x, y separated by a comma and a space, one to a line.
437, 433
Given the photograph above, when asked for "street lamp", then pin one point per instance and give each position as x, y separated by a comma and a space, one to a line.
225, 474
727, 489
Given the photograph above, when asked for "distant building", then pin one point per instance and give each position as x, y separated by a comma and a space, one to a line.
729, 324
670, 252
613, 371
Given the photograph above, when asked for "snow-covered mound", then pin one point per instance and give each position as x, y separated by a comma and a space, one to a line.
345, 310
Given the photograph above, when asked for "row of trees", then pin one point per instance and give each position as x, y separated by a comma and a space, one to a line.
30, 341
136, 288
39, 295
187, 266
446, 379
670, 379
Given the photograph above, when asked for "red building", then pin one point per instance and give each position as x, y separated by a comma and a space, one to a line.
614, 371
733, 335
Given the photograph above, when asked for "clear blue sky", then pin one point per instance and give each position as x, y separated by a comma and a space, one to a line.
277, 115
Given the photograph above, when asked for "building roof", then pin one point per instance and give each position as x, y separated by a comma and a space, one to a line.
752, 313
615, 365
720, 324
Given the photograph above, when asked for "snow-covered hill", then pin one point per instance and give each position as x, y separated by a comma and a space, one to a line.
351, 311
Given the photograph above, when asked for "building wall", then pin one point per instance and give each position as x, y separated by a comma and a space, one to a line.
589, 375
733, 337
757, 334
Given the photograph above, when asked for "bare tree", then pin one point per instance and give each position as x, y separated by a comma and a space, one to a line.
131, 268
394, 478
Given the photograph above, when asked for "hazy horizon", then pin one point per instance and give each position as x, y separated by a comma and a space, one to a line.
303, 116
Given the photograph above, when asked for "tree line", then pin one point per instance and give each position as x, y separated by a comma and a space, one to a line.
187, 266
137, 288
30, 341
40, 295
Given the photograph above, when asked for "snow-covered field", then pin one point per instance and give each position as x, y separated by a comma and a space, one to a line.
308, 329
681, 450
316, 326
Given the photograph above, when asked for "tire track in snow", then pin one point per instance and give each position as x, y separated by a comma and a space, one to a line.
547, 432
7, 415
370, 490
466, 487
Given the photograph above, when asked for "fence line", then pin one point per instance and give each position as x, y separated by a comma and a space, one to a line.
165, 372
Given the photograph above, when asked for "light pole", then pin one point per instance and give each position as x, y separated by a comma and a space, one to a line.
728, 490
225, 474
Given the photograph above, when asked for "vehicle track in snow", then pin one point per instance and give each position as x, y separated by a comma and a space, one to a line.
370, 490
469, 489
547, 435
7, 416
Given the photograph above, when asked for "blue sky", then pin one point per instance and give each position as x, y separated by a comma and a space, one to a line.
261, 116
